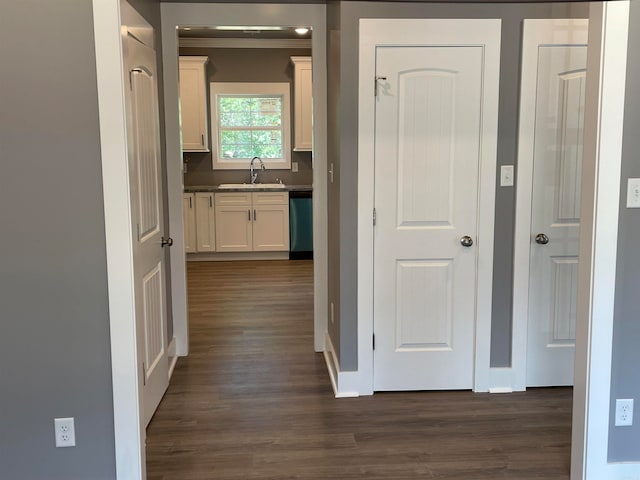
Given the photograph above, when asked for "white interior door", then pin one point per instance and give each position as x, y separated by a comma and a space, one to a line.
148, 228
428, 137
556, 58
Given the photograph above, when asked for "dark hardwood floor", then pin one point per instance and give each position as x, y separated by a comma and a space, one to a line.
252, 401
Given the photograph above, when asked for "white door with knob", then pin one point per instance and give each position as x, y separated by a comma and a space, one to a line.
432, 103
549, 175
147, 217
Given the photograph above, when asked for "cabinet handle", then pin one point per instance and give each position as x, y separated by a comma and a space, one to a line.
254, 214
210, 201
202, 139
190, 205
249, 214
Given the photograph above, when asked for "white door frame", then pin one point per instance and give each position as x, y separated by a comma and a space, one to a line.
599, 207
539, 32
203, 14
377, 32
129, 428
600, 187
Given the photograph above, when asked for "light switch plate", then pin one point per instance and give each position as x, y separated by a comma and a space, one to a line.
633, 193
294, 166
506, 176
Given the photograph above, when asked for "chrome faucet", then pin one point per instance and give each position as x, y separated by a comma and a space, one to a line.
254, 175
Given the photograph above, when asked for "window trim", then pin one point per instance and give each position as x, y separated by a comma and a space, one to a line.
251, 88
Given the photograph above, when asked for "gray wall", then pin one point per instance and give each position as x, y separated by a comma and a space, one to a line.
54, 345
345, 154
247, 65
624, 442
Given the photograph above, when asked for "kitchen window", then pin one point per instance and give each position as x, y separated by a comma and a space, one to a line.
250, 120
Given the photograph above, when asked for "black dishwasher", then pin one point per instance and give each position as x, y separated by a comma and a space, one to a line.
300, 225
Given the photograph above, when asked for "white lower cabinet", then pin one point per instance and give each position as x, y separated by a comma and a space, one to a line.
205, 222
189, 219
247, 222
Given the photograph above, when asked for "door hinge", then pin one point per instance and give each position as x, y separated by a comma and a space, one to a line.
374, 341
375, 85
144, 374
375, 216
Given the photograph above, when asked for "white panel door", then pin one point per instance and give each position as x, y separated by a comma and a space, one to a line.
427, 154
147, 217
205, 222
555, 207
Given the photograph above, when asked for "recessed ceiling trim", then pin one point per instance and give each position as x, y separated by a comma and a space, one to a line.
245, 42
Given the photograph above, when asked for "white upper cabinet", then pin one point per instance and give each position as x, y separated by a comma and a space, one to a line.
193, 104
302, 104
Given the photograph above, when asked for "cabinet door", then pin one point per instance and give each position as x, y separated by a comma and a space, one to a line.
205, 222
303, 104
193, 104
189, 219
233, 232
270, 228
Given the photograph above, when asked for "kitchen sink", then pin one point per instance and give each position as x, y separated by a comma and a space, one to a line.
250, 186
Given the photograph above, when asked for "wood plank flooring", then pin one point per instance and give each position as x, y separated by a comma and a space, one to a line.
252, 401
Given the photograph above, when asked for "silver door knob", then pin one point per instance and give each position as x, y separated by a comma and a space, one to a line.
466, 241
542, 239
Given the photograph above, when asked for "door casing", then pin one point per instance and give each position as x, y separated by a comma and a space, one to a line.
416, 32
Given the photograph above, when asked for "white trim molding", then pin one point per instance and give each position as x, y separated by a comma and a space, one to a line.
376, 32
537, 32
344, 384
603, 127
245, 42
129, 430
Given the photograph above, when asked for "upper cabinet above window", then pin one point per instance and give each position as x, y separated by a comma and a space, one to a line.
193, 104
250, 120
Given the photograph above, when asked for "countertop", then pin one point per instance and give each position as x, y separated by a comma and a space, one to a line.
215, 188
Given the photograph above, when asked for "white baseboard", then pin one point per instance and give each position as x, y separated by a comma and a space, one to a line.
173, 358
345, 384
235, 256
503, 380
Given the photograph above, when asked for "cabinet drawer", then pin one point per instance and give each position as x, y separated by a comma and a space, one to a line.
233, 198
270, 198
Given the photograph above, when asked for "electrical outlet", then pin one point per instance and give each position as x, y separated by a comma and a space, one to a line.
633, 193
65, 432
294, 167
624, 412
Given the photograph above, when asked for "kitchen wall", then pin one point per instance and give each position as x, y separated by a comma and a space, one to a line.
343, 152
624, 442
247, 65
54, 346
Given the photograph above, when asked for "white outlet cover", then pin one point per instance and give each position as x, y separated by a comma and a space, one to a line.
294, 166
65, 432
506, 176
633, 193
624, 412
